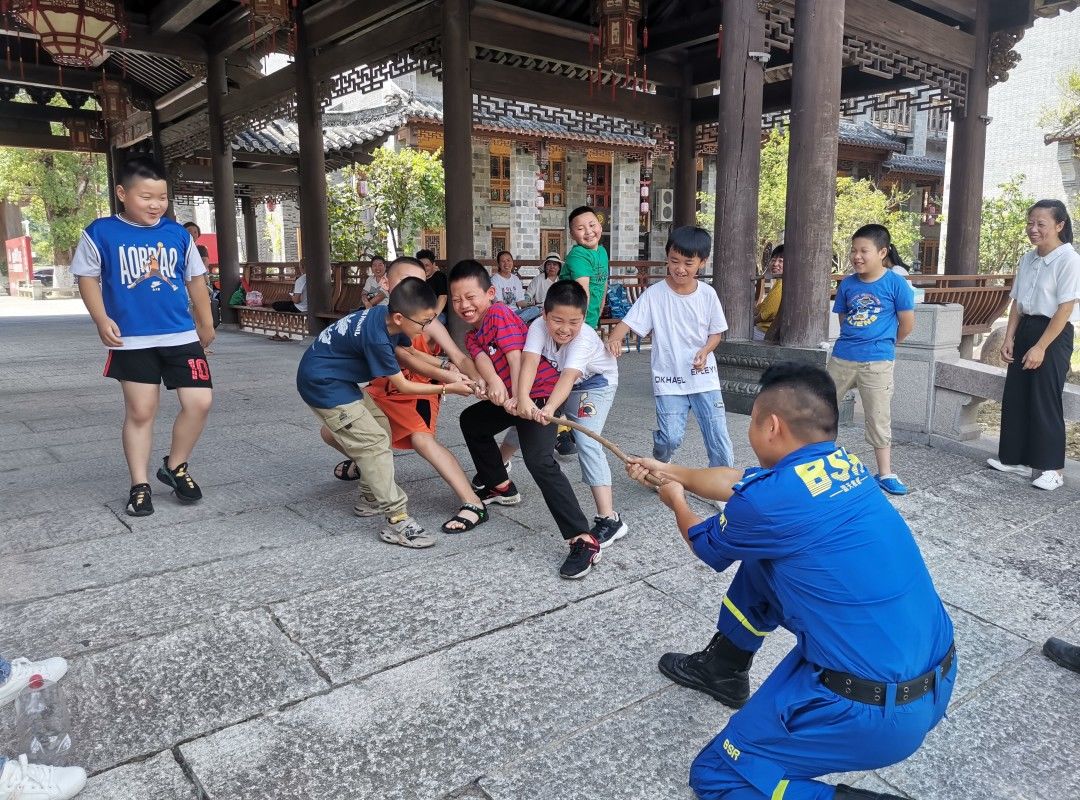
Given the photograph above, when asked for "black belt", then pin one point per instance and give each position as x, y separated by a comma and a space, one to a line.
873, 693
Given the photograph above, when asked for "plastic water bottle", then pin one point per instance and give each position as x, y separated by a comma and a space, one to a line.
42, 724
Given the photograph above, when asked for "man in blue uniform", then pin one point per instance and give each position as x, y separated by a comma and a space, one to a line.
826, 556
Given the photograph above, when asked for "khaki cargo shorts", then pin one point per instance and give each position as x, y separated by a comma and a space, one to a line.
874, 380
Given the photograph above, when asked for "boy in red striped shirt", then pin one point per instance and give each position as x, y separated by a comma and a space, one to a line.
495, 341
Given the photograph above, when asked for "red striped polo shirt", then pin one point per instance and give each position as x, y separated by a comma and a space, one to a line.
502, 331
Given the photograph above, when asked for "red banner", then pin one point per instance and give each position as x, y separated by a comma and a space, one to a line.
20, 260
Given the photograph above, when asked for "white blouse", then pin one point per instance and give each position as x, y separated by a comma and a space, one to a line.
1045, 282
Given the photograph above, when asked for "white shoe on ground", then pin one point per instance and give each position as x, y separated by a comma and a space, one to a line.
22, 669
23, 781
1049, 481
1015, 469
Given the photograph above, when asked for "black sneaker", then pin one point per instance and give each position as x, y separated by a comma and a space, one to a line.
185, 489
608, 529
139, 503
478, 486
506, 496
583, 554
565, 444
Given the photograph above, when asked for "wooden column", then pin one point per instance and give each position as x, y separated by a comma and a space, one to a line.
685, 172
811, 193
221, 162
969, 159
251, 230
314, 219
738, 165
457, 138
110, 178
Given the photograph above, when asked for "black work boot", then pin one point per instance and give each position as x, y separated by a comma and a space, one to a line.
721, 670
1063, 654
845, 792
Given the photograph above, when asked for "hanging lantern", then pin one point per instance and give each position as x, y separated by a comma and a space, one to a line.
73, 32
539, 184
271, 204
79, 135
361, 185
114, 98
618, 32
644, 190
275, 13
539, 201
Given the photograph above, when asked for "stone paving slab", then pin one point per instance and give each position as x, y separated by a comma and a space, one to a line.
180, 685
464, 710
157, 778
12, 460
33, 532
101, 562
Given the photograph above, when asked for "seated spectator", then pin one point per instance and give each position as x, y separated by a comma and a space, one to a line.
766, 311
19, 779
376, 290
508, 287
436, 279
297, 301
539, 286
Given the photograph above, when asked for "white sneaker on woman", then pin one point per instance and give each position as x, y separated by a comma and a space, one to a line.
1049, 481
1016, 469
22, 669
22, 781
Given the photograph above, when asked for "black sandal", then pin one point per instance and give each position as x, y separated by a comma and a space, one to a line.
344, 471
467, 524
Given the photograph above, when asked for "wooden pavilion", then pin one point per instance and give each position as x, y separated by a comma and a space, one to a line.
696, 75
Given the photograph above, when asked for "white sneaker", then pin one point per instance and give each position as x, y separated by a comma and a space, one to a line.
1049, 481
1016, 469
22, 669
22, 781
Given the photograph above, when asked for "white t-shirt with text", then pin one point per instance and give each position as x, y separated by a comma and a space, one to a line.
508, 290
680, 325
585, 353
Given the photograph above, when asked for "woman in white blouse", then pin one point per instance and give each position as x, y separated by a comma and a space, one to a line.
1038, 347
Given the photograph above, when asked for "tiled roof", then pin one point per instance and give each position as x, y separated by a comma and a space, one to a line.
915, 165
1070, 133
863, 134
345, 130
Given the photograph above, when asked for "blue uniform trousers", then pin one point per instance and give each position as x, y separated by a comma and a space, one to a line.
794, 729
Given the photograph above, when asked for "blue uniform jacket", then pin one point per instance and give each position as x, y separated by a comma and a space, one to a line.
841, 561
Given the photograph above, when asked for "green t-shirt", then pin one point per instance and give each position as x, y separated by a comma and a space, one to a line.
592, 264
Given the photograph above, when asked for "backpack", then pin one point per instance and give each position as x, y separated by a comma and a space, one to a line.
237, 297
618, 301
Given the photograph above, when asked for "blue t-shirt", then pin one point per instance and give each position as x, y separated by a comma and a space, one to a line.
354, 350
841, 561
143, 271
869, 324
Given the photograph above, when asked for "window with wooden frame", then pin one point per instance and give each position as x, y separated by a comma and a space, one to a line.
555, 178
598, 184
551, 241
500, 172
500, 240
434, 240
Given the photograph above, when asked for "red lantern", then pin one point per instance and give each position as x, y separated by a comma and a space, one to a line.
271, 204
618, 32
275, 13
73, 32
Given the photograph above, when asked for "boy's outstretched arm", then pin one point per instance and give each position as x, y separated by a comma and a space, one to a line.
615, 338
712, 483
200, 303
90, 292
405, 386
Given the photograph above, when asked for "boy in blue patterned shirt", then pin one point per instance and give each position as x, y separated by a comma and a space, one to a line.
136, 272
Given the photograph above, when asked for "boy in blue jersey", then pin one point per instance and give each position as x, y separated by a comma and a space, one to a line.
876, 310
825, 555
351, 353
136, 272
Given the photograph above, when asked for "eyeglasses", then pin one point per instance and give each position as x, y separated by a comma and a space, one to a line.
423, 324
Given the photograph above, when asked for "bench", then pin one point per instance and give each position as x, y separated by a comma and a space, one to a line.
347, 289
984, 297
275, 282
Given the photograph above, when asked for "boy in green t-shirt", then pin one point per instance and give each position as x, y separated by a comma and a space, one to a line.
587, 261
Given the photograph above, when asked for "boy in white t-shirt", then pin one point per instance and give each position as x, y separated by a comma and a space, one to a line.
588, 377
686, 320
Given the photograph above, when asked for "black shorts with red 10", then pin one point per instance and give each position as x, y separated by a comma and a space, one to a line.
182, 366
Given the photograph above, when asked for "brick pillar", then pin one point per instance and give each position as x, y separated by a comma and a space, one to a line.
625, 208
481, 175
524, 216
290, 214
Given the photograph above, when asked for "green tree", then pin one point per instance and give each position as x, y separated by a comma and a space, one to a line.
351, 234
1002, 238
1066, 111
406, 192
860, 202
60, 193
